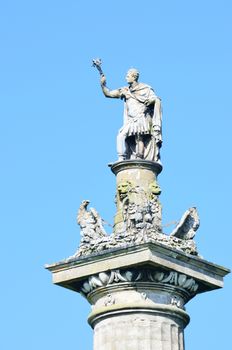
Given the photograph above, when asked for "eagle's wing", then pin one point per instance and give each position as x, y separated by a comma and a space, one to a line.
188, 225
99, 223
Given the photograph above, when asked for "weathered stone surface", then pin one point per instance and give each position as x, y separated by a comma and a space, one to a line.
138, 294
188, 225
139, 330
70, 272
138, 218
137, 196
157, 276
91, 225
126, 239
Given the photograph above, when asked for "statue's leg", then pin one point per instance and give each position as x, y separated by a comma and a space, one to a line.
150, 148
157, 153
121, 146
139, 146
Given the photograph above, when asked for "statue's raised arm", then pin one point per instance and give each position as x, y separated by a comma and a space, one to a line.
97, 63
141, 134
107, 92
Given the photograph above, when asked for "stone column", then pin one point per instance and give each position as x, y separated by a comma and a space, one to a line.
138, 279
138, 294
140, 315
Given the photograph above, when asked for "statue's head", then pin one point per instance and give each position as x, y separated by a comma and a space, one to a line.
132, 75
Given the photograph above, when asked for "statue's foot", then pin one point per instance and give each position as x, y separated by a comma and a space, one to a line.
139, 156
120, 158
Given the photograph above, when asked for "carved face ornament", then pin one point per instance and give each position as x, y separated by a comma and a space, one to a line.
123, 189
154, 188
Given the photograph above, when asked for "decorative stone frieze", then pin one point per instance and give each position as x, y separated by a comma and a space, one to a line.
135, 275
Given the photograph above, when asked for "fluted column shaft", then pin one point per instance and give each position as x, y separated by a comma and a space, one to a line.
138, 316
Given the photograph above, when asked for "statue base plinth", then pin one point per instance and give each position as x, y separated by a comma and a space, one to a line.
121, 165
137, 192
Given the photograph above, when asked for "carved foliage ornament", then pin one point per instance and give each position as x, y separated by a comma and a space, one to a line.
116, 276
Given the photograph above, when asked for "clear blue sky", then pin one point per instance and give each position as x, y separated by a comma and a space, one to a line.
58, 135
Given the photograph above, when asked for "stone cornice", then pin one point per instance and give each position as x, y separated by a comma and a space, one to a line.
209, 275
135, 164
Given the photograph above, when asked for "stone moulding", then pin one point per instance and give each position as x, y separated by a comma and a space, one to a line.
71, 272
136, 164
114, 310
156, 276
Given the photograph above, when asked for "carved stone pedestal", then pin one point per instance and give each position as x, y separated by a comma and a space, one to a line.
138, 293
137, 193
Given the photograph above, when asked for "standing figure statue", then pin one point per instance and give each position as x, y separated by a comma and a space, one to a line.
141, 134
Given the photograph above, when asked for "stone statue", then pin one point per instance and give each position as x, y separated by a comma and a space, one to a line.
188, 225
140, 136
90, 223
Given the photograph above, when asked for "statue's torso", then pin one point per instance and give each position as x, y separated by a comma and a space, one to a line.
135, 109
138, 118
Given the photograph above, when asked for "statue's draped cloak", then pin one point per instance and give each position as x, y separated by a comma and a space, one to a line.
139, 118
